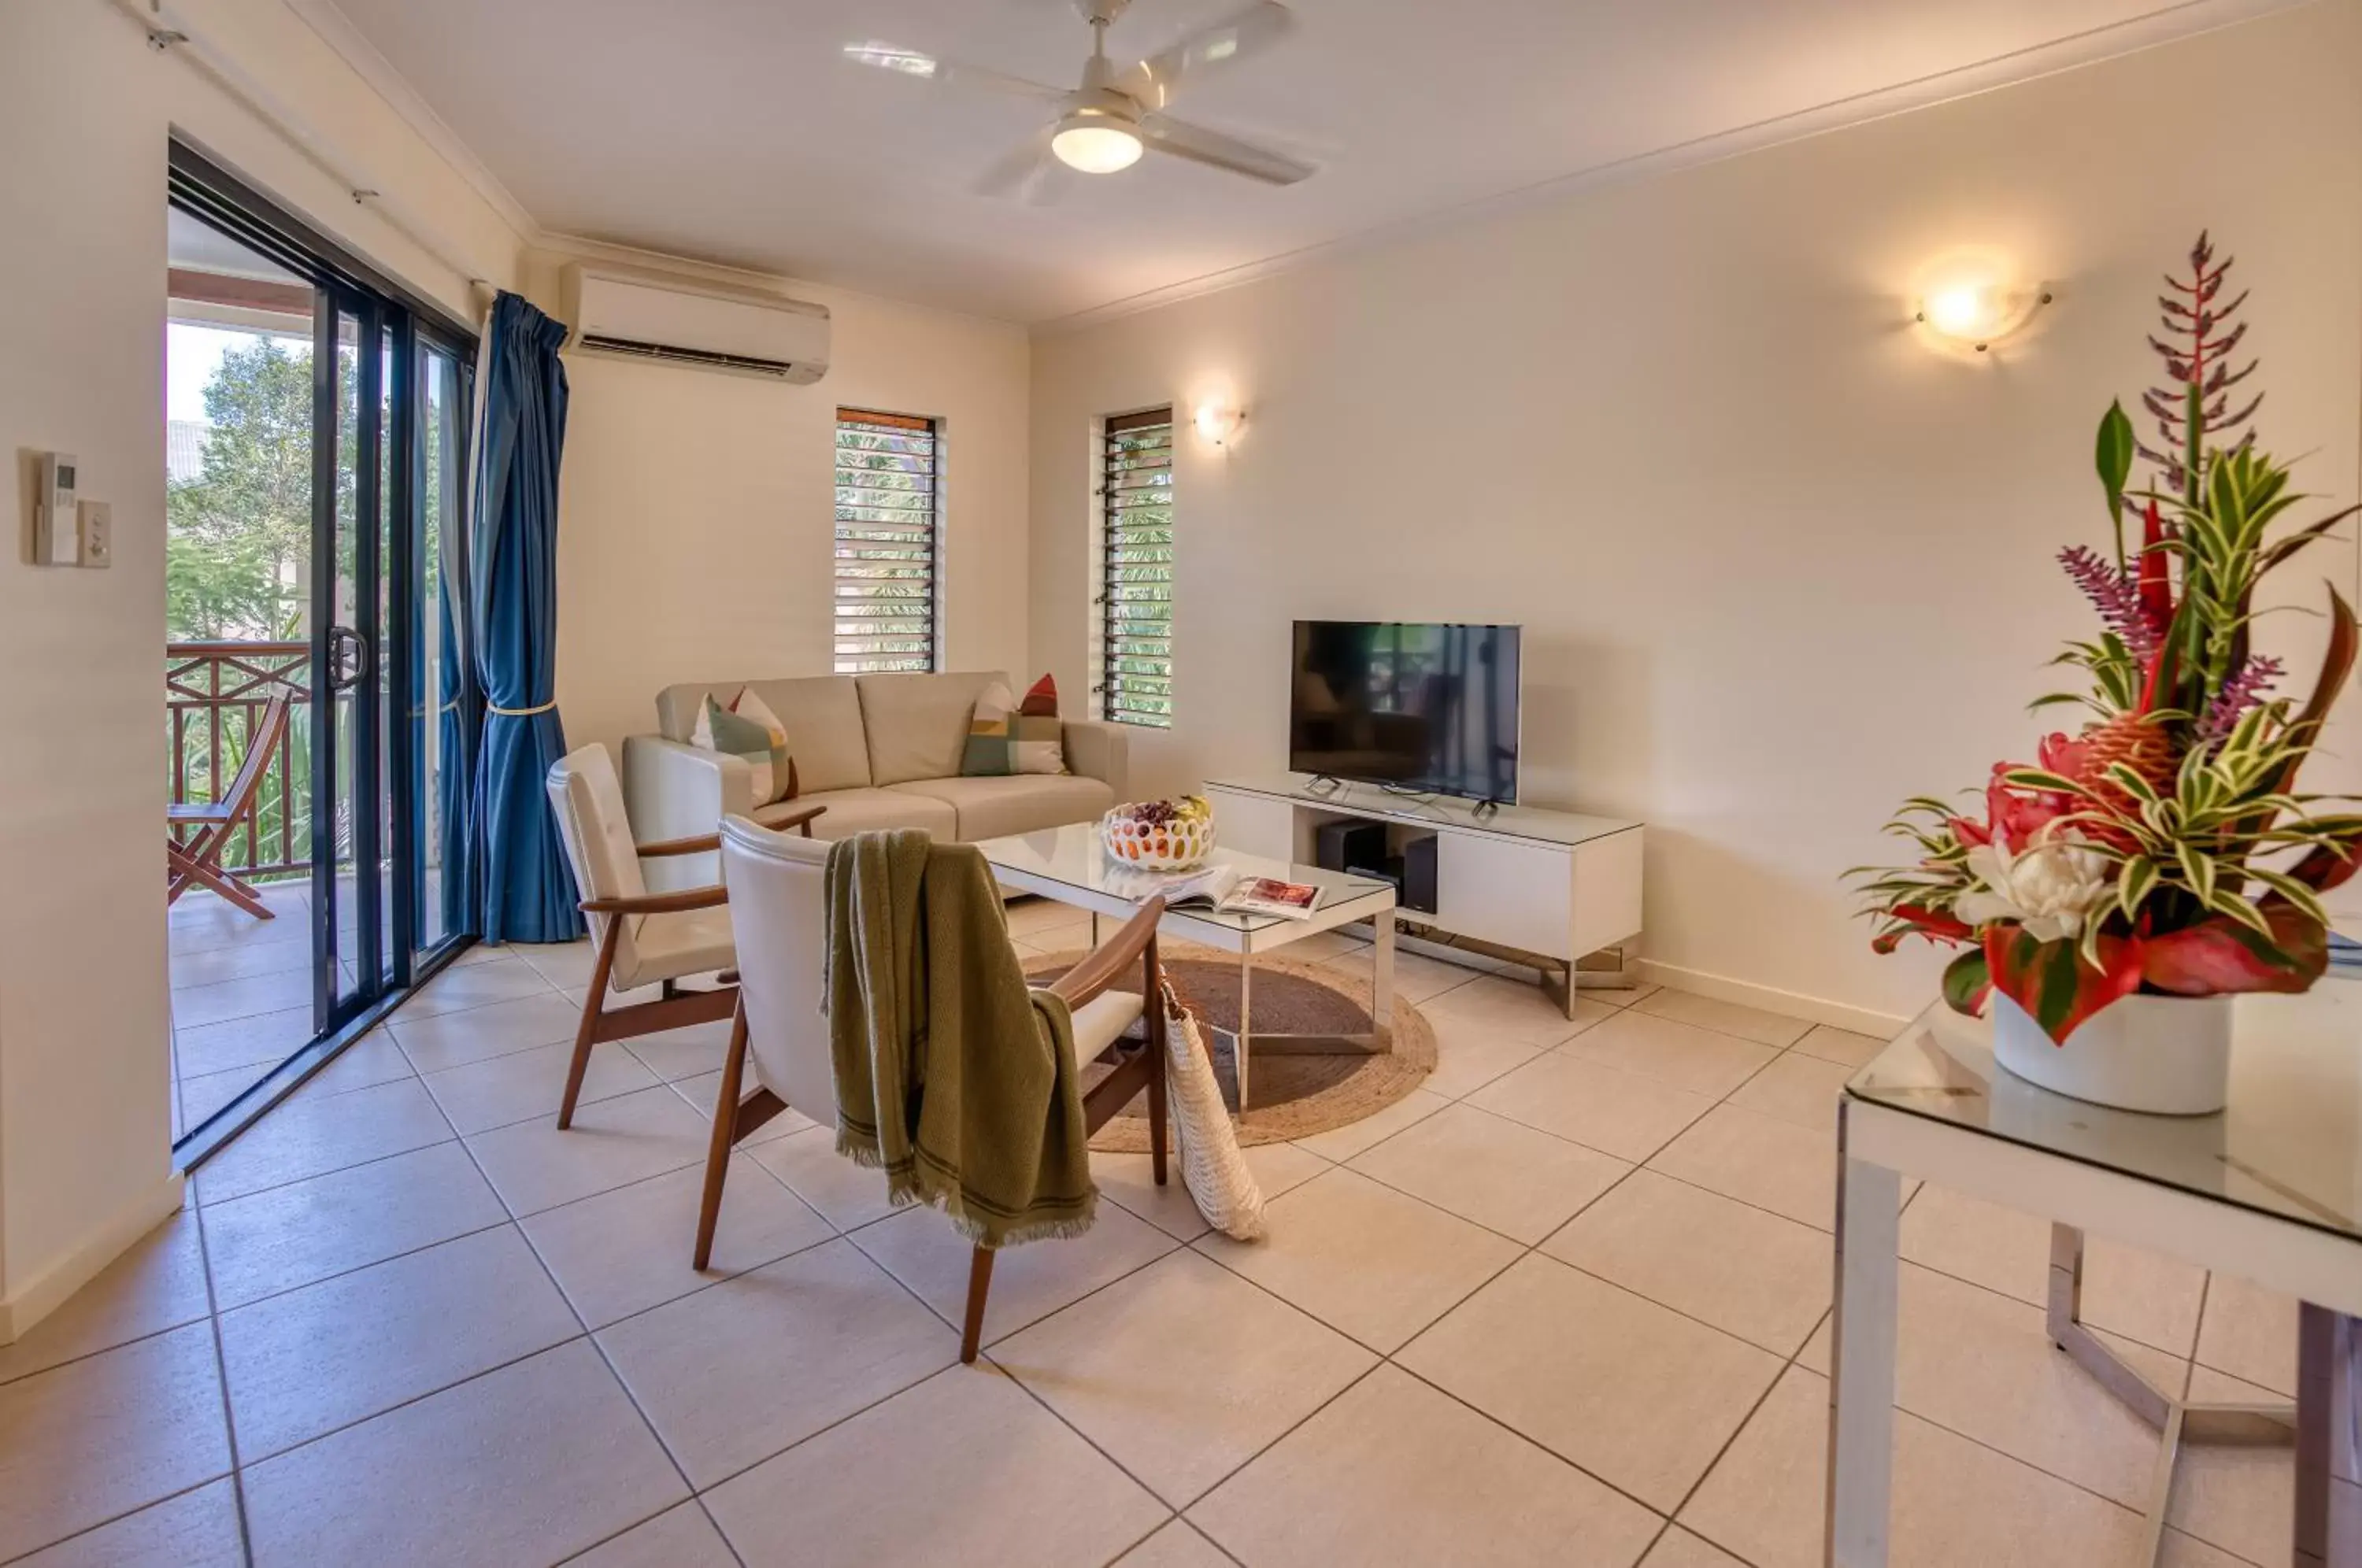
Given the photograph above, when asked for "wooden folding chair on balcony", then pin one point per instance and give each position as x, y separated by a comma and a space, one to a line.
196, 861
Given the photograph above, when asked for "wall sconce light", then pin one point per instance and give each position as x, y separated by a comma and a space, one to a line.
1217, 422
1977, 315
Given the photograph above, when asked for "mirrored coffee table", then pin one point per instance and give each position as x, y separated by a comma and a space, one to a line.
1068, 865
2270, 1189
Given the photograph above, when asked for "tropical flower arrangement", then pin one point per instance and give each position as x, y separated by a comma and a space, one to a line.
2163, 848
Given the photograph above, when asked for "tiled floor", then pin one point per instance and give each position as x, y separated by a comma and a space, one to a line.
1566, 1305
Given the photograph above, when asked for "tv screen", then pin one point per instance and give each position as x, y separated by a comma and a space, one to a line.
1422, 708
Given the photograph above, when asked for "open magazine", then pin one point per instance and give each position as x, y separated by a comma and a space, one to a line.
1224, 890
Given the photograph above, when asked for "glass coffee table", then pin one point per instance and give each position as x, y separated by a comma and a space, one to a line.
2270, 1189
1068, 865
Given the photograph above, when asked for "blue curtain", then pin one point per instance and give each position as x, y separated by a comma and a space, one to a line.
459, 721
527, 892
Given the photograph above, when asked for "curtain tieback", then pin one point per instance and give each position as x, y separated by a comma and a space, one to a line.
520, 712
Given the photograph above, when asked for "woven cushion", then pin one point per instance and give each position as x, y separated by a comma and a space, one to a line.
822, 715
748, 730
1036, 735
987, 754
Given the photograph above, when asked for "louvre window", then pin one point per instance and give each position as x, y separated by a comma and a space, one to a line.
888, 471
1136, 581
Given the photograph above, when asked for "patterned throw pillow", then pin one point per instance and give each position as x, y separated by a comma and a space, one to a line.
1036, 736
988, 746
749, 730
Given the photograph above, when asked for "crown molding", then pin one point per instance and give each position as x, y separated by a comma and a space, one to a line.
2167, 25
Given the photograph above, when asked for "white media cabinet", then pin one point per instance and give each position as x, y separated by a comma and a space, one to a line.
1537, 887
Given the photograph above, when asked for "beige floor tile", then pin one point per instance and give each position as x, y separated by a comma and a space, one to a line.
83, 1442
624, 1252
1515, 1010
2180, 1551
1620, 997
195, 1530
372, 1059
307, 1362
1033, 919
1772, 1164
1344, 1143
2132, 1292
684, 1053
613, 1143
1814, 1357
1831, 1043
1730, 1018
267, 1038
699, 1093
1005, 1483
308, 1230
1641, 1397
1183, 1371
304, 1138
1618, 1113
1685, 1055
282, 951
159, 1283
454, 1040
2249, 1332
1418, 979
846, 1195
1127, 1180
276, 992
1177, 1545
2235, 1496
1677, 1548
1802, 1089
737, 1373
466, 985
1469, 1055
529, 1464
1957, 1504
1501, 1174
1981, 1365
1746, 1271
1393, 1471
680, 1536
567, 966
1277, 1167
1364, 1259
527, 1084
919, 1247
202, 1097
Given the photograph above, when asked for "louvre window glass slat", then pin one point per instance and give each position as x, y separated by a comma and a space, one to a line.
886, 470
1136, 573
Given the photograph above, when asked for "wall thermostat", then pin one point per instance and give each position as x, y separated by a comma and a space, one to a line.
58, 522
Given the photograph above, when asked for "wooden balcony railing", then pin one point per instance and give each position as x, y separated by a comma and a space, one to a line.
213, 696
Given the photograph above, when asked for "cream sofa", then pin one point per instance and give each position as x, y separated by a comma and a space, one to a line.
879, 751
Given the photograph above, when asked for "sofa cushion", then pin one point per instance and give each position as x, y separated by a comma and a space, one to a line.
1024, 802
871, 811
917, 723
822, 715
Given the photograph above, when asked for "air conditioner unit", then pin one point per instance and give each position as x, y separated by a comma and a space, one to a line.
614, 312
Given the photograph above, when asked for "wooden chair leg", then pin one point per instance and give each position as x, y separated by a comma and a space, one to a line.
1154, 1017
587, 1034
979, 1285
726, 1124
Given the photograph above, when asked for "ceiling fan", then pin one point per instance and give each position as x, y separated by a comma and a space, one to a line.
1106, 124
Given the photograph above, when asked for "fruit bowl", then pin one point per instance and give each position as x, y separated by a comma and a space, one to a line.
1159, 836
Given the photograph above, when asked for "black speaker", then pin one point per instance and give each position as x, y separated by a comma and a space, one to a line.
1419, 875
1351, 845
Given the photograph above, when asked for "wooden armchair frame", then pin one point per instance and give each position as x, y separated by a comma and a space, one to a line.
674, 1006
197, 862
1136, 1065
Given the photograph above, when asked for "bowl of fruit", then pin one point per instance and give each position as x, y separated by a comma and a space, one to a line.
1160, 835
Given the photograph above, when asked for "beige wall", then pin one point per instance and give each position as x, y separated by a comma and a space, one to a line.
697, 510
1778, 564
86, 111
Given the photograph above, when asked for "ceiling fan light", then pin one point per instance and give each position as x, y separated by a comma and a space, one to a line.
1095, 144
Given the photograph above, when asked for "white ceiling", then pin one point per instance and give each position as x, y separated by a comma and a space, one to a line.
731, 130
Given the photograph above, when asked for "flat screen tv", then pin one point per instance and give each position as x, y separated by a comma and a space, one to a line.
1422, 708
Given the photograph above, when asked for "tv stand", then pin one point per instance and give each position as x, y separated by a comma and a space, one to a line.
1536, 887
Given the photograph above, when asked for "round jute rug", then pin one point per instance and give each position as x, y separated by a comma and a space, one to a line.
1295, 1097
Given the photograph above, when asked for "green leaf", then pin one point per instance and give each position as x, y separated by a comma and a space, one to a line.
2134, 883
1967, 978
2114, 457
2197, 871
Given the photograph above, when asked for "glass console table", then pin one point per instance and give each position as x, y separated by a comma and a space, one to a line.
2270, 1189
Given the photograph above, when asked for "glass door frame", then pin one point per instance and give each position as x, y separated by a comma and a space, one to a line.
380, 779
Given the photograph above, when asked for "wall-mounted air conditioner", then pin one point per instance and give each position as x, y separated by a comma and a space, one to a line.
614, 312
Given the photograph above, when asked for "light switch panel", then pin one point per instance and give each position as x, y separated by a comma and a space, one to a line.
96, 528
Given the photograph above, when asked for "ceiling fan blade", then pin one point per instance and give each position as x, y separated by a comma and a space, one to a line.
1029, 173
1196, 143
919, 66
1237, 37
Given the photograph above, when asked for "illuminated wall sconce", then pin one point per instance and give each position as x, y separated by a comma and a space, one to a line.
1217, 422
1977, 315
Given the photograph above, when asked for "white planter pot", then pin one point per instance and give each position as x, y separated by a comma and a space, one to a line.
2166, 1054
